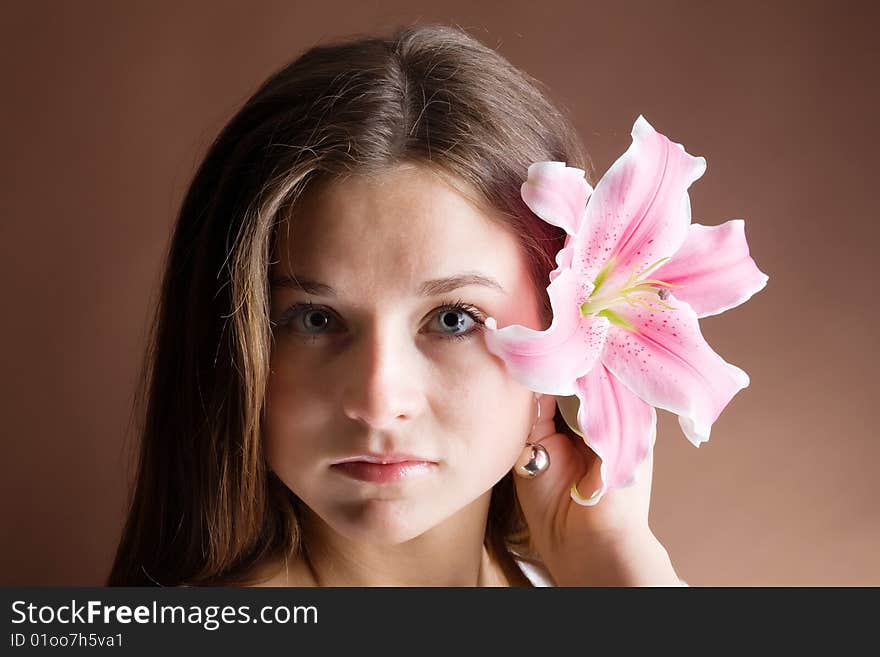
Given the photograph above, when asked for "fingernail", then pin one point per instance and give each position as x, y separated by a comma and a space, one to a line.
585, 501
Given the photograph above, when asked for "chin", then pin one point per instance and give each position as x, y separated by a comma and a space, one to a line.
383, 522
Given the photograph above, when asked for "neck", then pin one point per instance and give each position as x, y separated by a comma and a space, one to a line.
451, 554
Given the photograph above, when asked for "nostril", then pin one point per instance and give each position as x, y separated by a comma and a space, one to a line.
382, 411
374, 411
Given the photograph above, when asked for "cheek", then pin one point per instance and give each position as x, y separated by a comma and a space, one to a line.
487, 412
298, 402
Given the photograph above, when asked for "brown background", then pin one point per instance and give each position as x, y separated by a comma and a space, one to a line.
108, 107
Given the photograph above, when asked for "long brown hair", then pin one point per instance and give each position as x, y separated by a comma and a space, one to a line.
205, 509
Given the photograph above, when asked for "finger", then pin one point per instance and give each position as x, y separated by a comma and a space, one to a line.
589, 488
583, 467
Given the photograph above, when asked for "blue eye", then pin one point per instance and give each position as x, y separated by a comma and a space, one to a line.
315, 321
306, 319
459, 320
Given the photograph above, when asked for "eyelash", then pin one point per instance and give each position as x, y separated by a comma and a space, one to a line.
475, 314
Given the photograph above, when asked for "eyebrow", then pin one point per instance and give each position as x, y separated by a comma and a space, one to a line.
428, 288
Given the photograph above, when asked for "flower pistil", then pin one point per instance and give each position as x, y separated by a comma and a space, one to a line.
633, 292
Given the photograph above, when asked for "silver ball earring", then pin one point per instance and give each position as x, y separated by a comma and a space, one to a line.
534, 459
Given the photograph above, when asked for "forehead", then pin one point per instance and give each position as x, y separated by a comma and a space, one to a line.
392, 232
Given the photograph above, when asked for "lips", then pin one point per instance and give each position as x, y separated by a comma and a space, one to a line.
384, 469
385, 458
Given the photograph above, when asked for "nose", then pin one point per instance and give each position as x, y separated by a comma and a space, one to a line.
383, 385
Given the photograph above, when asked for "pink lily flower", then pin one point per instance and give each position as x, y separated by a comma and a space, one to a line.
621, 342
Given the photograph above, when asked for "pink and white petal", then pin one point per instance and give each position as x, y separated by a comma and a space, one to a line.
713, 269
617, 425
557, 193
640, 210
665, 360
550, 361
563, 260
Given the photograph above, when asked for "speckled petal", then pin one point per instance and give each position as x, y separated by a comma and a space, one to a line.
640, 210
666, 361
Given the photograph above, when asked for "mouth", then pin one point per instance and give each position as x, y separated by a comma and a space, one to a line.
384, 459
384, 469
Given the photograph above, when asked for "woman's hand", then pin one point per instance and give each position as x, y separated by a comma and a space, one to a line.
607, 544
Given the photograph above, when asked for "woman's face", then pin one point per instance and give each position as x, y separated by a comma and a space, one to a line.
380, 287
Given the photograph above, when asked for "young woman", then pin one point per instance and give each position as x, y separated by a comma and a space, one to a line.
319, 407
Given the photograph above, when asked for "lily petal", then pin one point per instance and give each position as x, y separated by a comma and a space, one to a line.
664, 359
617, 425
563, 260
550, 361
557, 193
640, 210
713, 269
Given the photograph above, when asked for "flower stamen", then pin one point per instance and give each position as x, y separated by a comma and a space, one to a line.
634, 292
